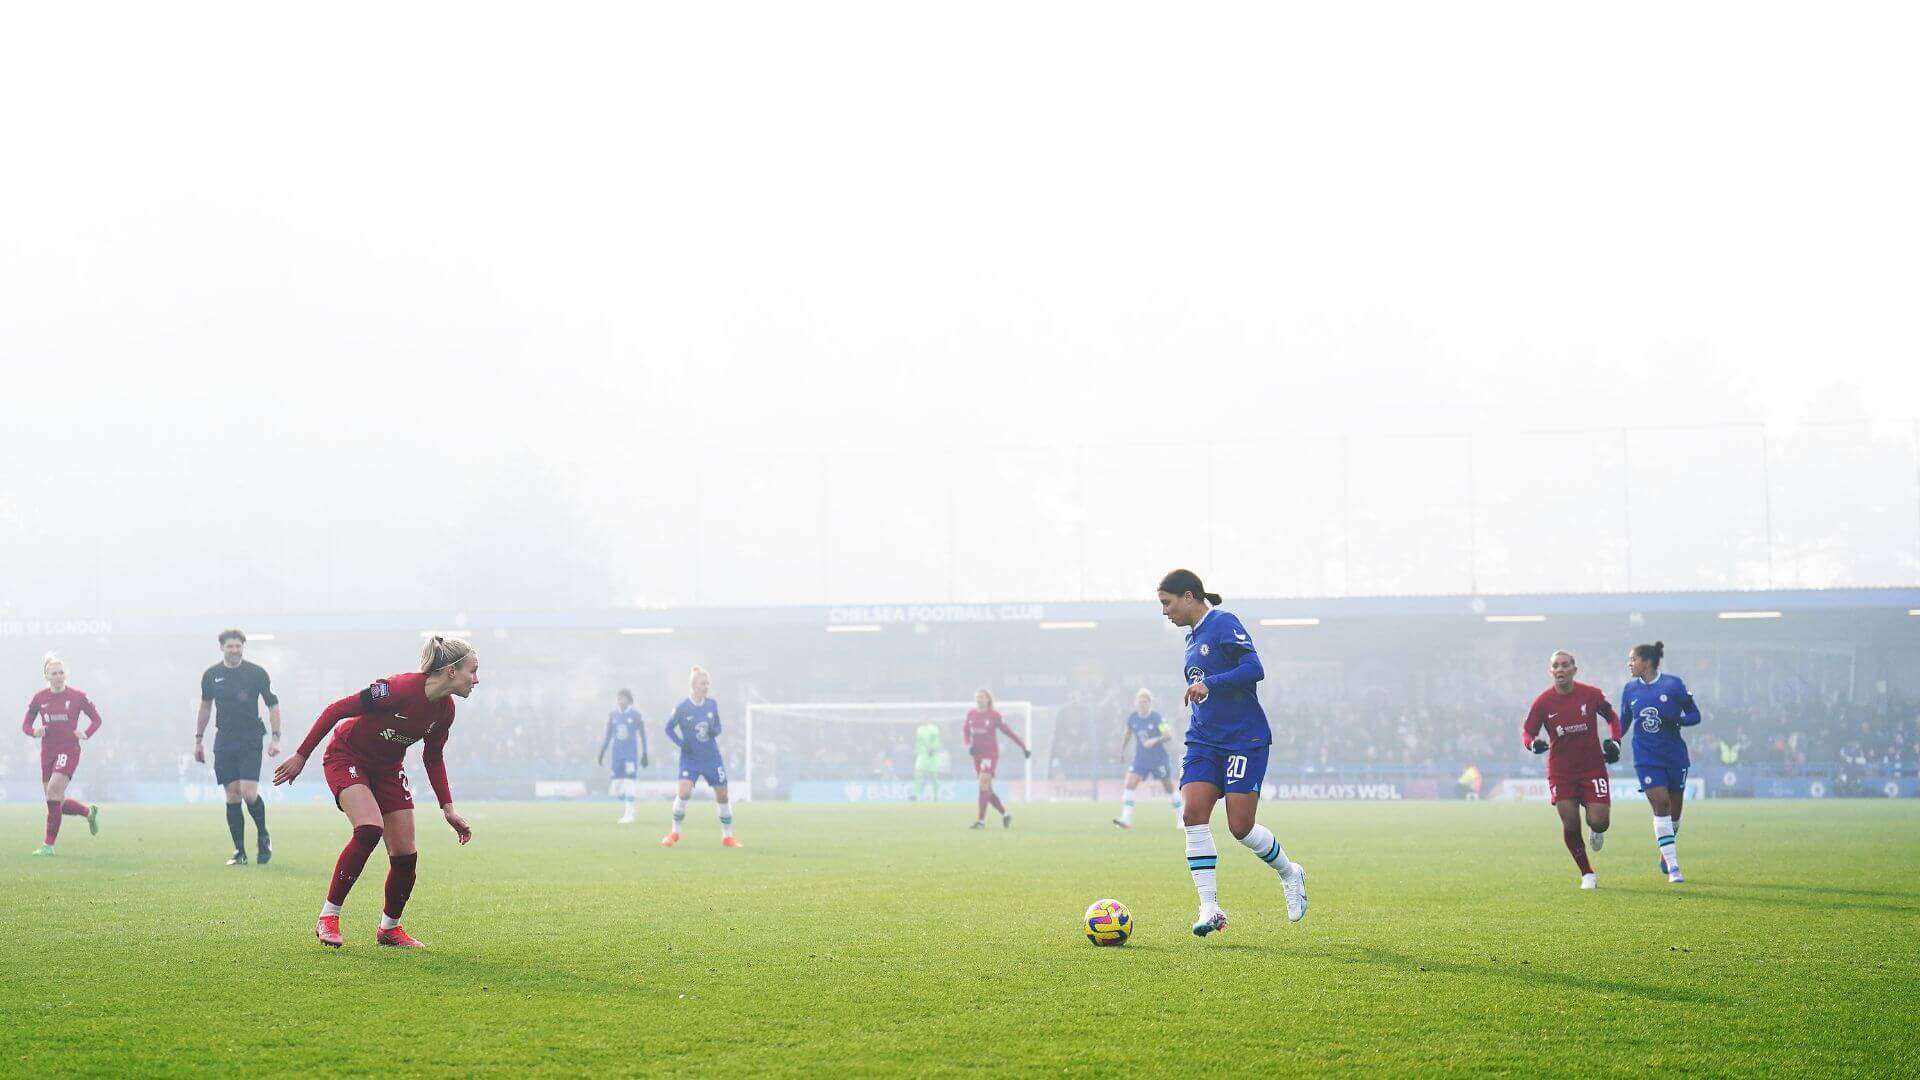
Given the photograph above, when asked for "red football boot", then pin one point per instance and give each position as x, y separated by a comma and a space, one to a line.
398, 938
728, 841
328, 931
670, 839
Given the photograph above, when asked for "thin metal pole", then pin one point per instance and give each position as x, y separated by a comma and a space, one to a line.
1473, 529
1080, 484
1626, 503
1346, 514
1916, 496
1766, 498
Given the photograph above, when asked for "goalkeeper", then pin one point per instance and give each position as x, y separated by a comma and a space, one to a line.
926, 762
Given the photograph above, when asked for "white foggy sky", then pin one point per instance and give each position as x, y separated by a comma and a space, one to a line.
603, 232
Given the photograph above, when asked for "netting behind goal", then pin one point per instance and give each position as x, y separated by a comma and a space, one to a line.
865, 751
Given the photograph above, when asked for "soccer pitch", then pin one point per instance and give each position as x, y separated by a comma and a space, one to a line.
1442, 937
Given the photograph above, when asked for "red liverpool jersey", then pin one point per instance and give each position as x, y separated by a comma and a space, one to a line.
377, 725
981, 732
60, 716
1572, 723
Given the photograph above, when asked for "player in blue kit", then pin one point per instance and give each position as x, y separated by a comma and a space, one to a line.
695, 729
1227, 743
1150, 737
1658, 706
627, 737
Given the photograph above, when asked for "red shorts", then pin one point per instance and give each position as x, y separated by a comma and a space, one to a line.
1591, 789
389, 785
55, 758
983, 766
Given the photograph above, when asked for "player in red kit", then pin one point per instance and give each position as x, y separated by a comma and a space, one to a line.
364, 767
981, 732
1564, 724
53, 717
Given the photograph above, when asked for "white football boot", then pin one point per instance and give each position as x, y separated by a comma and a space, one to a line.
1597, 841
1294, 884
1588, 881
1209, 920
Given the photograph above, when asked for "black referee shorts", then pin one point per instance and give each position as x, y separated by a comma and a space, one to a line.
237, 758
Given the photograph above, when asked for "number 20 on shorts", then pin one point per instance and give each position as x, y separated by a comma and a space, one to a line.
1237, 767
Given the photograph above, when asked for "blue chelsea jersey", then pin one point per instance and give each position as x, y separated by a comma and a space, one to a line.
695, 728
624, 736
1658, 710
1145, 727
1220, 651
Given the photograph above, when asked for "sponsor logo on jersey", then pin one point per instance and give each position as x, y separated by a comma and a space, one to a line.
1649, 719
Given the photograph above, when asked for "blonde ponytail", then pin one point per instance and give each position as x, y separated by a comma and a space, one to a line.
443, 652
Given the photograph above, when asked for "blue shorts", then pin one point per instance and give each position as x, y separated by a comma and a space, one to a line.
1152, 764
626, 768
713, 772
1234, 773
1652, 776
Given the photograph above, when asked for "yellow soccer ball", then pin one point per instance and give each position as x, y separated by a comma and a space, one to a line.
1109, 923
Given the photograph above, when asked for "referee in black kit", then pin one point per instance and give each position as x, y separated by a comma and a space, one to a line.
238, 686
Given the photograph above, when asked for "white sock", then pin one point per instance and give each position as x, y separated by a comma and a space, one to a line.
726, 819
1201, 858
1126, 807
388, 922
1261, 841
679, 812
329, 908
1663, 836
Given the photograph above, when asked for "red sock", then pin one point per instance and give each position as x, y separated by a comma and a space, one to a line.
53, 821
352, 859
400, 883
1577, 848
993, 799
74, 808
983, 807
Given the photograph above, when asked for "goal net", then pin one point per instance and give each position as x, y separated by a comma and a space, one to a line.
865, 751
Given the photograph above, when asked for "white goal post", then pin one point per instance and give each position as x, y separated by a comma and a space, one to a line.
875, 717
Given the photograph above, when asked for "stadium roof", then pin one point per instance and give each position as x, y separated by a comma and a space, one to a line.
659, 620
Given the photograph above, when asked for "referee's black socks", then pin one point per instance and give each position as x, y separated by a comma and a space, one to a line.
258, 808
237, 825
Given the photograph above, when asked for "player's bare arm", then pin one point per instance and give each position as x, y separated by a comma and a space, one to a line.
200, 732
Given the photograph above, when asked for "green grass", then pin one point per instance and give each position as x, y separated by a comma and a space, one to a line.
1443, 937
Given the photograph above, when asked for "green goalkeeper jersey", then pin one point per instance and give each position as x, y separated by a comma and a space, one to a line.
927, 746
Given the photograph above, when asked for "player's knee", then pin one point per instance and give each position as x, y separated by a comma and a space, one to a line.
367, 837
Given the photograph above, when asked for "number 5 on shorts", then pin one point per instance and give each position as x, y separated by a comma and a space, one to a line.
1237, 767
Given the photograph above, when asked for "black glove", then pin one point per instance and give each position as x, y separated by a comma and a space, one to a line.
1611, 748
1029, 753
643, 761
1539, 744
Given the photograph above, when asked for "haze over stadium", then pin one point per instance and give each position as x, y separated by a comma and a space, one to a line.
866, 356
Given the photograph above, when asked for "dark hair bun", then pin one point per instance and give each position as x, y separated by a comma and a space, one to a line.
1659, 651
1212, 598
